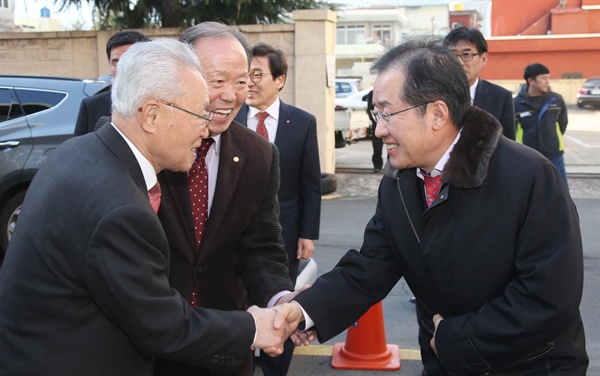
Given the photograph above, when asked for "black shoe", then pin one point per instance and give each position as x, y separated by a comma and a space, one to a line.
413, 300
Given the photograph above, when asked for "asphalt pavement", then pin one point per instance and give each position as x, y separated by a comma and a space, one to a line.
346, 211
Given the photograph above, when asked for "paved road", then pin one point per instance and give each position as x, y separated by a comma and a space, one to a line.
346, 211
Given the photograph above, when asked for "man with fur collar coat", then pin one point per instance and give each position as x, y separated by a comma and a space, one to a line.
495, 261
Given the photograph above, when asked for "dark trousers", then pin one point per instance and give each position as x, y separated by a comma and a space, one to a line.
377, 148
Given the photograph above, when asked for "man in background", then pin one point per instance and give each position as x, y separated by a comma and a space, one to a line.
470, 47
89, 294
541, 116
98, 105
376, 142
222, 218
294, 132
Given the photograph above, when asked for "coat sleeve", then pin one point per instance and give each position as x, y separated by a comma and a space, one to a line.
310, 185
540, 304
262, 258
126, 272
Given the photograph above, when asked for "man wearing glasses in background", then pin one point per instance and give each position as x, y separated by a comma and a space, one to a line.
470, 47
294, 132
222, 217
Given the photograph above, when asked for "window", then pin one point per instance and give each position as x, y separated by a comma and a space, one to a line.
5, 4
34, 101
382, 34
350, 34
9, 107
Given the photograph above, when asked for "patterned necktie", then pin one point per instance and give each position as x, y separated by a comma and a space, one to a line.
198, 183
154, 197
261, 128
432, 188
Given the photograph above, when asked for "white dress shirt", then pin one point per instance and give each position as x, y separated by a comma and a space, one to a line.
270, 122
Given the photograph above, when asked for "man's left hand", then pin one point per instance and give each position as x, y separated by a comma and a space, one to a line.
306, 247
437, 319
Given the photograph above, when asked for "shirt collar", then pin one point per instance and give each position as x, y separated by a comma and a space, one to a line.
439, 167
145, 165
473, 90
272, 110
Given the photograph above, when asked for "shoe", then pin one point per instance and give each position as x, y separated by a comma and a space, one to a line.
413, 300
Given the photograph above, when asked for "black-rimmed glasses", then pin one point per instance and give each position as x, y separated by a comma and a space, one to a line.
207, 117
257, 76
467, 56
387, 118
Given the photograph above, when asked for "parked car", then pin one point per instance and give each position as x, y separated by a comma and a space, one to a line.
347, 86
351, 118
589, 93
36, 115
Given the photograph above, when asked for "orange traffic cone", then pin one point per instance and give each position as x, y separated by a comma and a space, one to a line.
365, 346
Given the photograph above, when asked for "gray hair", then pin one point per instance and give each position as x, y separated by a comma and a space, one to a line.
151, 69
213, 30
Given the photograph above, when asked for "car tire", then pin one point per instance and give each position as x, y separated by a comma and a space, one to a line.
579, 104
328, 183
8, 217
339, 140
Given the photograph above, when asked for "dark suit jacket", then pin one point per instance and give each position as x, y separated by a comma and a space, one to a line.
499, 102
300, 190
91, 110
242, 250
84, 286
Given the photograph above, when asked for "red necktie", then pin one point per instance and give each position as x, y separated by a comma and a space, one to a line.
198, 183
154, 197
432, 188
261, 128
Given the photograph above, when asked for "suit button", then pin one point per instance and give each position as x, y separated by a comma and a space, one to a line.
201, 269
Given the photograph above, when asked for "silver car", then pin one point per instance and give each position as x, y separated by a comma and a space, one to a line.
36, 115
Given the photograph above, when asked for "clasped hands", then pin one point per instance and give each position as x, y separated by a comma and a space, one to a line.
275, 325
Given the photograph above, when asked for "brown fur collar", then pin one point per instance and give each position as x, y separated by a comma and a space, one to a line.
470, 158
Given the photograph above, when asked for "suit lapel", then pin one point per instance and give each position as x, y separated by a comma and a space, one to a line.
481, 94
284, 126
175, 185
231, 165
118, 146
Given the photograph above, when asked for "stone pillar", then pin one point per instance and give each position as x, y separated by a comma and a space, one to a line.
314, 42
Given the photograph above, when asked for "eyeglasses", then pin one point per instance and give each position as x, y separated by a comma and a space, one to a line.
207, 117
257, 76
467, 56
387, 118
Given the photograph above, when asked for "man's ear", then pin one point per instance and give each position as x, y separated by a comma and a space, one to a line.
484, 58
280, 82
441, 115
149, 115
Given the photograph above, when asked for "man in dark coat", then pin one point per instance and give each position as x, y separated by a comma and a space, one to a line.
84, 285
495, 259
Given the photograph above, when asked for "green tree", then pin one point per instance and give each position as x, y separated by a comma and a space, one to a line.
185, 13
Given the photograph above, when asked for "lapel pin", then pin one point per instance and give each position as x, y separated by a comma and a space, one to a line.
236, 159
287, 121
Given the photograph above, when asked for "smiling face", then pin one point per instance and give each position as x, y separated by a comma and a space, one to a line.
225, 67
178, 133
471, 68
262, 94
408, 136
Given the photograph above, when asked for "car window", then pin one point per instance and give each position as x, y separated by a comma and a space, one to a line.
593, 82
9, 106
342, 87
34, 101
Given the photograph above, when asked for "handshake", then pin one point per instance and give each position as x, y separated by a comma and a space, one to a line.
275, 325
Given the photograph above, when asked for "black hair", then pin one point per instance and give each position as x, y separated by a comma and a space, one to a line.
473, 36
277, 61
431, 72
534, 70
123, 38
